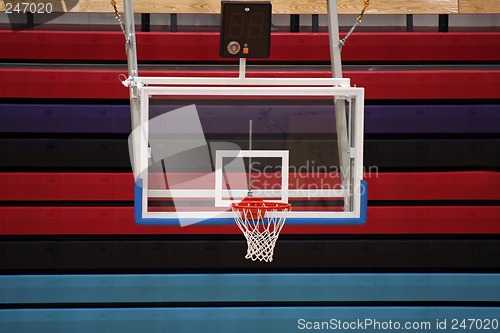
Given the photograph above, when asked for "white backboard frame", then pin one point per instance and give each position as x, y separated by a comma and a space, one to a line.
192, 87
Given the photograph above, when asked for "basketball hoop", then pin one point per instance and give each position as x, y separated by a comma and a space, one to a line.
261, 222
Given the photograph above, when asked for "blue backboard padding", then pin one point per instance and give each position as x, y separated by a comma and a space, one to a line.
327, 287
75, 118
246, 319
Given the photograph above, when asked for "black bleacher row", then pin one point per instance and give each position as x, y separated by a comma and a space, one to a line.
111, 154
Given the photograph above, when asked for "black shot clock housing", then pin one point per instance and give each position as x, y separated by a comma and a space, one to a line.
245, 29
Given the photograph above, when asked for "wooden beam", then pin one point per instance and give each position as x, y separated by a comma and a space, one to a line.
279, 6
479, 7
401, 7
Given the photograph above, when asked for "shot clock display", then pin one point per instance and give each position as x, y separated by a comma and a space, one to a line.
245, 29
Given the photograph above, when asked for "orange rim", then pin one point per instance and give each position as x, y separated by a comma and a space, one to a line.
257, 203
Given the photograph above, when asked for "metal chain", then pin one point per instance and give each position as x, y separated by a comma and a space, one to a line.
358, 22
118, 18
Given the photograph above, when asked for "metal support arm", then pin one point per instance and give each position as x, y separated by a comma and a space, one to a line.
133, 70
340, 109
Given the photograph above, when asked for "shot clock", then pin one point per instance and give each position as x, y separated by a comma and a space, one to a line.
245, 29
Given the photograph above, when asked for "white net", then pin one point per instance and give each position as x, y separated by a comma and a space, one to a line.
261, 223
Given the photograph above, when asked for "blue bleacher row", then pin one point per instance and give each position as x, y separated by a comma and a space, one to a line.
76, 118
271, 319
257, 287
248, 302
223, 302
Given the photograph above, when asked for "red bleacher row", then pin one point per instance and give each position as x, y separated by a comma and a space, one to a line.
285, 47
98, 220
403, 220
104, 84
104, 186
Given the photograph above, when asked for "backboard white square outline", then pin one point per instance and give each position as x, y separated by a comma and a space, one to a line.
219, 171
